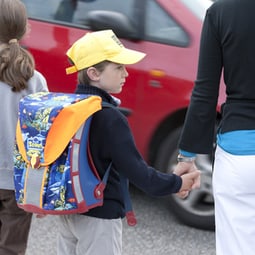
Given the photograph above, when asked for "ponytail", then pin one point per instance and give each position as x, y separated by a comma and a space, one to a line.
16, 64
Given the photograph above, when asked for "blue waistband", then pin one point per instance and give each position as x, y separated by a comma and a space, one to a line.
241, 142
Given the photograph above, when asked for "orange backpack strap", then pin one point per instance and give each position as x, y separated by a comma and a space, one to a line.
20, 142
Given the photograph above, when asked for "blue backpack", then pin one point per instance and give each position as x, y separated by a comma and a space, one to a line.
53, 168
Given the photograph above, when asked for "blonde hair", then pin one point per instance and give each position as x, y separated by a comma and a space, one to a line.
16, 64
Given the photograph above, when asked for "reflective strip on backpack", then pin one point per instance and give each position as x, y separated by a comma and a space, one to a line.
78, 192
34, 186
75, 164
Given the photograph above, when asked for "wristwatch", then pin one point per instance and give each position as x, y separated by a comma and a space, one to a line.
182, 158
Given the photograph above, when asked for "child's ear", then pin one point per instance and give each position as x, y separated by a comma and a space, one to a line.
93, 74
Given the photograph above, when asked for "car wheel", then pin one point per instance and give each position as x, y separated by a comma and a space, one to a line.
197, 210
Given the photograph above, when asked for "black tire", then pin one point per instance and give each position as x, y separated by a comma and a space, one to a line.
197, 210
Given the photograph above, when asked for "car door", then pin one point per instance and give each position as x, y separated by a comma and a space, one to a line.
54, 26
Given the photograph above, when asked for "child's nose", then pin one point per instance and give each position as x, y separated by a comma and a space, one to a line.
125, 72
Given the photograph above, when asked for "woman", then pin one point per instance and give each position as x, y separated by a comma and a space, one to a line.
228, 46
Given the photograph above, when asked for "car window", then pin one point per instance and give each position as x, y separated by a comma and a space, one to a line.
162, 28
198, 7
74, 11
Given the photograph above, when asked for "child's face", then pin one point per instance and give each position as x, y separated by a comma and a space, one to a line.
112, 78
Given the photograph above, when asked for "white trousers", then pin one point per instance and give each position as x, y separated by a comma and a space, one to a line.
234, 194
84, 235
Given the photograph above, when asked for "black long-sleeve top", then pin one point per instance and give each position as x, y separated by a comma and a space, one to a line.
111, 140
228, 45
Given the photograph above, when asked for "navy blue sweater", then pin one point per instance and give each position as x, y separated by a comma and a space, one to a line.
112, 140
228, 46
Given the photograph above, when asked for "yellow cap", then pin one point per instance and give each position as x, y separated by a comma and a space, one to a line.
99, 46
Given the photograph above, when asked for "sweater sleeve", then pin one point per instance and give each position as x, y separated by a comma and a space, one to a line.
198, 131
128, 161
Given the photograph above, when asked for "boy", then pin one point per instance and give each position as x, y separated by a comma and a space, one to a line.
100, 59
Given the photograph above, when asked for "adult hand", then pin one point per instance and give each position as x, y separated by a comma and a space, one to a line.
188, 181
188, 167
190, 177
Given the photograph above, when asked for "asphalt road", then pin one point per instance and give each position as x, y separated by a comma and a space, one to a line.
157, 233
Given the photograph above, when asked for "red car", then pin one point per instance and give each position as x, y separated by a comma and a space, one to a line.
158, 88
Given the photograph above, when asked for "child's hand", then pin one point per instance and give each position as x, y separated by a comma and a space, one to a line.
189, 180
190, 177
187, 167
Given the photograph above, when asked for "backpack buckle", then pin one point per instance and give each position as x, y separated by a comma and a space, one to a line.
131, 219
35, 161
99, 191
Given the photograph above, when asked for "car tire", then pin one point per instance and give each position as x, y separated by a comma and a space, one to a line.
197, 210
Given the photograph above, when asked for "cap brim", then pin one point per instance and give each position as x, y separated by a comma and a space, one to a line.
71, 69
127, 57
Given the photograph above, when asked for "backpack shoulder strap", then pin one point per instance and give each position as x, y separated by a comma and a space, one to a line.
125, 111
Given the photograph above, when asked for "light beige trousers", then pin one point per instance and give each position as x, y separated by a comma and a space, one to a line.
84, 235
